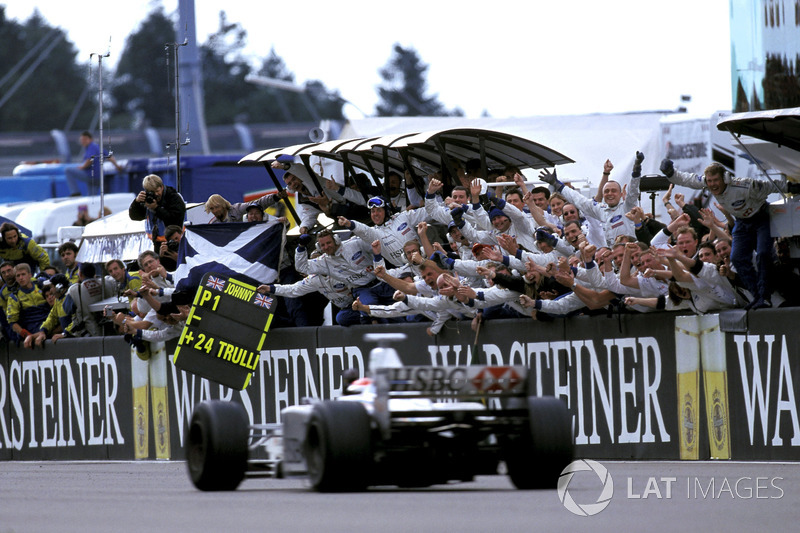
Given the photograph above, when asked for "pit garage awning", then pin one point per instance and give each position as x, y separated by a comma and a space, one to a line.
779, 126
771, 137
424, 151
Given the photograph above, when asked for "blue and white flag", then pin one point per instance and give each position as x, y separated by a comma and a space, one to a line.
249, 252
22, 229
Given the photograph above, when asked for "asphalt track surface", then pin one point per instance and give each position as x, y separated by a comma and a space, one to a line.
158, 497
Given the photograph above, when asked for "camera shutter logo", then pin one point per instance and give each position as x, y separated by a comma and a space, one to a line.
587, 509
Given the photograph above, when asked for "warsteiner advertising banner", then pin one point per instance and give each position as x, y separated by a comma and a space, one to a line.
763, 382
651, 386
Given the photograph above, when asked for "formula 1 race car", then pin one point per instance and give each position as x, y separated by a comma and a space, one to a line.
405, 426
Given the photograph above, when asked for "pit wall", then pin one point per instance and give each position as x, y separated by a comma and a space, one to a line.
638, 386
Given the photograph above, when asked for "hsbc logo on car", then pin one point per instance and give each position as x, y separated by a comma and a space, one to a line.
427, 379
465, 380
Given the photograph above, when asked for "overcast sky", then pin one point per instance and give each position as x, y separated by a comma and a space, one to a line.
508, 58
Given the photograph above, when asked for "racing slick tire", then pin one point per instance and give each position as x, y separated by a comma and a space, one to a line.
338, 446
535, 459
216, 445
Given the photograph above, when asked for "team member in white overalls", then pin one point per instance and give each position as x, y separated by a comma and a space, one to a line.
611, 211
745, 199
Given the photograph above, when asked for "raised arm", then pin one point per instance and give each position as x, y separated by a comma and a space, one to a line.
625, 276
693, 181
422, 231
632, 193
607, 168
675, 265
667, 200
710, 221
587, 206
537, 213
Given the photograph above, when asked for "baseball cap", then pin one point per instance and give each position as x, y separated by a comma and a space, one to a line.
495, 212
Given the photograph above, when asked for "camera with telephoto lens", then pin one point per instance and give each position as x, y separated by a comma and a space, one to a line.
172, 246
149, 197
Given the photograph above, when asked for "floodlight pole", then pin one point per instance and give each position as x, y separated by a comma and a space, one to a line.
100, 111
177, 143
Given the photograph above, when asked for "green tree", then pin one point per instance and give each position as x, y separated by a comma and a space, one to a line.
224, 70
402, 92
228, 97
329, 103
269, 101
143, 84
43, 86
315, 102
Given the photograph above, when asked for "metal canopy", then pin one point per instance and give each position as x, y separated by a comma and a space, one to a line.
424, 150
381, 153
289, 150
498, 148
273, 153
255, 156
375, 156
345, 146
323, 147
779, 126
358, 153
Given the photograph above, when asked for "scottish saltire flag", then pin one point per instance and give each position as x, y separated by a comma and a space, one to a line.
247, 251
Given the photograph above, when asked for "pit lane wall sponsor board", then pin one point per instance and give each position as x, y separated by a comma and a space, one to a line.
72, 400
763, 377
620, 376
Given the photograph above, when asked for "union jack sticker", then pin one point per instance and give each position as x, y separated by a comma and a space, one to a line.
215, 283
263, 300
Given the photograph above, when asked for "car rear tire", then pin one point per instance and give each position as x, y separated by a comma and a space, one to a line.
338, 447
216, 445
535, 459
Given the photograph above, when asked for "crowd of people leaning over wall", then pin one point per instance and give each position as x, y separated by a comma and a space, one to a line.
457, 248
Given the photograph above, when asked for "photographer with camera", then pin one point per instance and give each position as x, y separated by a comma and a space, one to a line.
159, 206
168, 252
